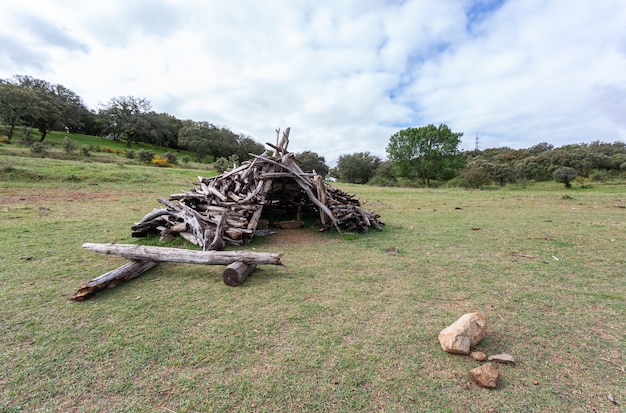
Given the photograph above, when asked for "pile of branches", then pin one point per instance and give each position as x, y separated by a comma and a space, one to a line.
229, 207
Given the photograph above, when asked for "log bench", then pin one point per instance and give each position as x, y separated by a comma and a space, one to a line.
142, 258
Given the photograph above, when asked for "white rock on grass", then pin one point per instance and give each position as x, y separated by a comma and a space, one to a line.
464, 333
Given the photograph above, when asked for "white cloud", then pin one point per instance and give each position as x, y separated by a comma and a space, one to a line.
344, 75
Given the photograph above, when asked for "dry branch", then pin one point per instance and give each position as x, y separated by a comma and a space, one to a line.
110, 279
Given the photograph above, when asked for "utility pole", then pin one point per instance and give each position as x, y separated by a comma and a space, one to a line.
477, 142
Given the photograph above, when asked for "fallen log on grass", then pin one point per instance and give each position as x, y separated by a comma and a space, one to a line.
237, 272
161, 254
112, 278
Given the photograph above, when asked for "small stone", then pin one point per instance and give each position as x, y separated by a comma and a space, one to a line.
464, 333
478, 355
503, 358
485, 376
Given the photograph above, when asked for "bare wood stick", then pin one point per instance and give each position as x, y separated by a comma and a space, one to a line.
322, 196
160, 254
236, 272
218, 242
320, 205
110, 279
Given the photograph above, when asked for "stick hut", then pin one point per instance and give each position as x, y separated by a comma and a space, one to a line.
229, 208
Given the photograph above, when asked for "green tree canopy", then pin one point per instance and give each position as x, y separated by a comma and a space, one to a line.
196, 137
247, 145
357, 168
40, 104
15, 104
125, 117
426, 153
311, 161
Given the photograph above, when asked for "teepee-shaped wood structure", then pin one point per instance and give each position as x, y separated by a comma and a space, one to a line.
229, 207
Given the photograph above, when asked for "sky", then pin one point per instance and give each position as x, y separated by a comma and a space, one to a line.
345, 75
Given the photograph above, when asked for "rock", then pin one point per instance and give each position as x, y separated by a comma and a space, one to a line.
478, 355
503, 358
485, 376
464, 333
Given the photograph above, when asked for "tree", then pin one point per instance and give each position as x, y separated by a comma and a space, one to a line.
426, 153
124, 117
565, 175
162, 129
196, 137
51, 106
15, 103
357, 168
247, 145
311, 161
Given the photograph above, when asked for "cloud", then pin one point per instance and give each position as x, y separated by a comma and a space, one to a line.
345, 75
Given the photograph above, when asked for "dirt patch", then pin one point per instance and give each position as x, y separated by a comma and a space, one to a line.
15, 196
301, 236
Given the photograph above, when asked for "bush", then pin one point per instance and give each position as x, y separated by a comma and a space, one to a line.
221, 165
69, 145
38, 148
565, 175
171, 157
85, 151
130, 154
4, 139
186, 159
145, 155
26, 137
162, 162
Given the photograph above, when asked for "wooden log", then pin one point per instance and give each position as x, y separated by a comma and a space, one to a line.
110, 279
236, 272
161, 254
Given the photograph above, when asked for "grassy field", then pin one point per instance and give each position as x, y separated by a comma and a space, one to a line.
101, 149
350, 323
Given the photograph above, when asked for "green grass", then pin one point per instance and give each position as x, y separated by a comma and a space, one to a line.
103, 149
349, 324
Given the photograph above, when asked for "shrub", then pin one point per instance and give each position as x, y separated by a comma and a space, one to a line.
107, 150
69, 145
221, 164
4, 139
38, 148
85, 151
130, 154
565, 175
474, 177
145, 155
186, 159
162, 162
171, 157
26, 136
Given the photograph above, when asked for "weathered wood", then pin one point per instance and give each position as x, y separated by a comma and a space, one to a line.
112, 278
161, 254
268, 183
237, 272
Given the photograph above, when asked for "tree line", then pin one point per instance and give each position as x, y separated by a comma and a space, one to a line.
26, 102
430, 155
417, 156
